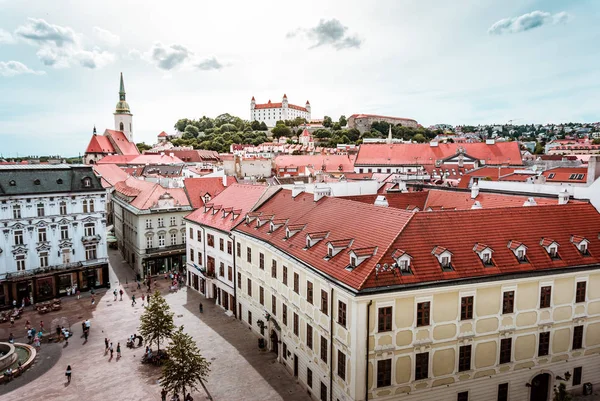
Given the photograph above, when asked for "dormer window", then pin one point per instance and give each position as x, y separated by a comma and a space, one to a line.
402, 261
336, 246
251, 216
582, 244
36, 182
313, 238
87, 182
12, 183
262, 220
292, 229
444, 257
551, 247
352, 261
485, 254
519, 250
359, 255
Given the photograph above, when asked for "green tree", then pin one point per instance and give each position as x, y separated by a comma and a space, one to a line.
255, 125
263, 126
327, 122
336, 126
343, 121
156, 323
142, 146
281, 130
181, 124
192, 132
596, 141
186, 368
420, 138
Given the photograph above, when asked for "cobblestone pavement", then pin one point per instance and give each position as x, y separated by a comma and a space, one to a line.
239, 370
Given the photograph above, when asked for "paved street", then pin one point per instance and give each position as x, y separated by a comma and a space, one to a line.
239, 370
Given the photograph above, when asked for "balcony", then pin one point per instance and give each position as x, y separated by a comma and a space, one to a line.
53, 269
169, 248
91, 239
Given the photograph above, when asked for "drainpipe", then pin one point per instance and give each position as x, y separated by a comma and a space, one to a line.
367, 352
204, 259
235, 306
331, 347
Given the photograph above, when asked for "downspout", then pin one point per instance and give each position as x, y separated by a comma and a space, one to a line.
235, 305
331, 347
204, 259
367, 352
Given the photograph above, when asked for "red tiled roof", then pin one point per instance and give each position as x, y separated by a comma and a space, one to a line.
563, 174
146, 194
100, 144
332, 162
241, 196
518, 177
196, 188
162, 134
271, 105
375, 154
492, 172
110, 173
140, 159
122, 143
378, 116
395, 200
190, 155
117, 159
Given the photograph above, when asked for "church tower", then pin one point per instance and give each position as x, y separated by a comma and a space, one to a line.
123, 117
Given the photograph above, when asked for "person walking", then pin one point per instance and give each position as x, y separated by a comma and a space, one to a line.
118, 350
201, 309
110, 348
68, 373
142, 299
163, 395
29, 336
148, 298
115, 294
67, 337
41, 325
121, 293
139, 286
132, 299
105, 345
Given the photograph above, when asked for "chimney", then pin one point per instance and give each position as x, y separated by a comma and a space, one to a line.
593, 171
172, 154
224, 180
433, 144
298, 188
476, 205
490, 141
320, 192
530, 202
474, 191
563, 197
381, 201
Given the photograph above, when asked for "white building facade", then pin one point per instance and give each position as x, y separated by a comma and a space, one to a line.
270, 112
53, 220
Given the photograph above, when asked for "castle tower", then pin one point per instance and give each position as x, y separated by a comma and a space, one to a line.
308, 109
284, 108
123, 117
252, 107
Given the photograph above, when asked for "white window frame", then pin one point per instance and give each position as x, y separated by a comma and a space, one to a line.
174, 239
89, 229
20, 260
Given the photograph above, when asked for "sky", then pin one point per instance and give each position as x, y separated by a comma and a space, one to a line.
459, 62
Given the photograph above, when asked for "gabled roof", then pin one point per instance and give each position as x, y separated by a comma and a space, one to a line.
163, 134
197, 188
332, 163
566, 174
110, 174
122, 144
100, 144
146, 194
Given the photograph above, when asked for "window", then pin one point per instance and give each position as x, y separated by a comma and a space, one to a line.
42, 235
324, 349
284, 279
309, 292
161, 240
284, 313
221, 244
199, 258
40, 210
296, 283
309, 336
505, 350
20, 263
64, 232
296, 323
583, 248
352, 261
16, 211
149, 244
90, 252
198, 235
545, 294
309, 377
90, 229
577, 373
324, 303
544, 345
580, 293
250, 318
384, 373
149, 225
464, 358
261, 295
323, 392
248, 255
273, 305
249, 288
239, 280
341, 365
43, 259
462, 396
423, 313
284, 351
508, 302
85, 205
191, 230
173, 221
578, 337
341, 313
385, 319
274, 269
230, 247
63, 207
91, 206
18, 237
229, 273
210, 240
87, 182
503, 392
422, 366
173, 238
466, 308
238, 247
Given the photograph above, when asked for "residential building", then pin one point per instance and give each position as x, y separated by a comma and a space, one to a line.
53, 224
211, 252
362, 122
300, 165
149, 225
270, 112
369, 302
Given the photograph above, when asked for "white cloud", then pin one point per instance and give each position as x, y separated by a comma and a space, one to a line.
6, 37
61, 47
209, 64
107, 37
12, 68
525, 22
330, 32
175, 57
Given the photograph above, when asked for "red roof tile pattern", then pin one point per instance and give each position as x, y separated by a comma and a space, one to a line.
494, 173
110, 174
479, 247
190, 155
197, 188
140, 159
100, 144
243, 197
272, 105
123, 145
331, 163
376, 154
546, 242
406, 200
146, 194
117, 159
162, 134
566, 174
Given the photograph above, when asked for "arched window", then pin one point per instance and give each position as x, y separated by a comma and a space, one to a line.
87, 182
121, 127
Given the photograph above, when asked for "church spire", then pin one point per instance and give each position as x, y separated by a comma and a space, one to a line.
122, 89
122, 106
